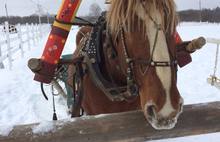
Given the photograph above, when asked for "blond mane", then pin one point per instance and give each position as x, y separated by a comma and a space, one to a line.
123, 13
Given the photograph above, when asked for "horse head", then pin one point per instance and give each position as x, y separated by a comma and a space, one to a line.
142, 32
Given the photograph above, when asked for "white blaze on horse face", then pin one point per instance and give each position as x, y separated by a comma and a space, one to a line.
161, 53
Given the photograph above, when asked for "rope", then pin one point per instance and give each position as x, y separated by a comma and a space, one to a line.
54, 109
214, 78
42, 90
216, 60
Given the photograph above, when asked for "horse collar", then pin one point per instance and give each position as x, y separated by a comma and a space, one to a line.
92, 53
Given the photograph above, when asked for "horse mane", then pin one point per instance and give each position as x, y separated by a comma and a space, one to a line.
123, 13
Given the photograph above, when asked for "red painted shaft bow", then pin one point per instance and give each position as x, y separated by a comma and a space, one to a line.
56, 40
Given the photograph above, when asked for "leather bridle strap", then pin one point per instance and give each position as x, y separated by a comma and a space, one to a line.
131, 85
151, 62
127, 59
155, 63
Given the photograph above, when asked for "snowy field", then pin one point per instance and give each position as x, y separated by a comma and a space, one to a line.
22, 102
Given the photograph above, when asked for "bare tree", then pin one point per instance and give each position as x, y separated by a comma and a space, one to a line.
95, 10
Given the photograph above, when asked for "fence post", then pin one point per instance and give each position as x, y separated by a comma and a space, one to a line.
40, 30
28, 36
20, 40
8, 45
33, 33
1, 63
36, 32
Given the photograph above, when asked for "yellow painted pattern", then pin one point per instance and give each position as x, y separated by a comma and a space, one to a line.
62, 26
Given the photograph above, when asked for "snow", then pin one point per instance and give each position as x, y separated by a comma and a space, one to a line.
22, 102
5, 130
192, 78
44, 127
200, 138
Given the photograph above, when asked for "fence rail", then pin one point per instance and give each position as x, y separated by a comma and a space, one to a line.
214, 80
213, 40
23, 36
124, 127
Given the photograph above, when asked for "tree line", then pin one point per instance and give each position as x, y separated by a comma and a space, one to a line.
205, 15
27, 19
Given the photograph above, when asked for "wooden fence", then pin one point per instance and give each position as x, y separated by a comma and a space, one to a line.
213, 40
214, 79
123, 127
23, 36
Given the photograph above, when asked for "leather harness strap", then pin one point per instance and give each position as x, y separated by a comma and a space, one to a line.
93, 59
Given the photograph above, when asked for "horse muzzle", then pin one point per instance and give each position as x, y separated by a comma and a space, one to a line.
159, 122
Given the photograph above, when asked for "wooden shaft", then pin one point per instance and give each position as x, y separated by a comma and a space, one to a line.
196, 44
34, 64
125, 127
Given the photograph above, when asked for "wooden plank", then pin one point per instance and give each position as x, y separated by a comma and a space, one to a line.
9, 53
1, 61
213, 40
123, 127
3, 57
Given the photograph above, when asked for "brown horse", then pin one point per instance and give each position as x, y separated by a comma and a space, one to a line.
142, 32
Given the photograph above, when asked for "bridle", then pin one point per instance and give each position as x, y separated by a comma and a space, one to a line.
110, 88
131, 83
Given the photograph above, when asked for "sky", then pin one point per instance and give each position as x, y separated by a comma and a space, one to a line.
28, 7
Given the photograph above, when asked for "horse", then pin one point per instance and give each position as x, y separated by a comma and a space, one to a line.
138, 52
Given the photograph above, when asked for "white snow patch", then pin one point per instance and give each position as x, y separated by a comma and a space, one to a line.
200, 138
101, 115
5, 130
44, 127
51, 126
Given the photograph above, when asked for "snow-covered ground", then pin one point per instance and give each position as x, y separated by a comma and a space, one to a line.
192, 78
22, 102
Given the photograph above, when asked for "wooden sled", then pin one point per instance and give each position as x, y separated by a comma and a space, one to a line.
214, 81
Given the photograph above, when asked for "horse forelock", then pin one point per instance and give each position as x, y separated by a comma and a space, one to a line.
123, 13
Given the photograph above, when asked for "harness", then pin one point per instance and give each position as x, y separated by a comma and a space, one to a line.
93, 57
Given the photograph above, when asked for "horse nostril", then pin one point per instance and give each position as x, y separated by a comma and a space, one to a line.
151, 111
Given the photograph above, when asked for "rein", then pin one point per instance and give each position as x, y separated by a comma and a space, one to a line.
83, 23
131, 86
